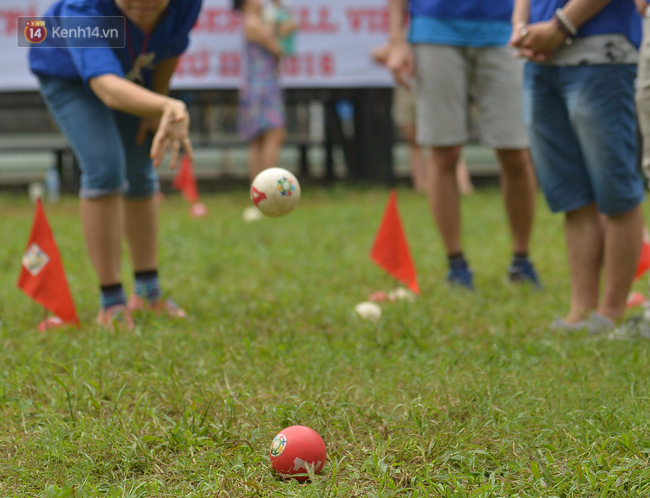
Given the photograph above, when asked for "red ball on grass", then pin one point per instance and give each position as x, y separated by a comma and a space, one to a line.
296, 450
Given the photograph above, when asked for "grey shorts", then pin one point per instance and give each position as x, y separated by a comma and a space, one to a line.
448, 76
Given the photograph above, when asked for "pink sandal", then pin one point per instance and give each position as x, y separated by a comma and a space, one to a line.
119, 315
161, 306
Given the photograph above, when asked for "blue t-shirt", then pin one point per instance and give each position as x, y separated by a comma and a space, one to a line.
618, 17
168, 39
465, 23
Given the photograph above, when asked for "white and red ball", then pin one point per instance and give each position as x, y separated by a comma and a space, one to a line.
295, 449
275, 192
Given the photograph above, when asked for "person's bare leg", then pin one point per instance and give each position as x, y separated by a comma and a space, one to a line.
519, 189
623, 238
271, 145
443, 195
418, 168
585, 245
141, 229
254, 157
416, 158
102, 222
463, 178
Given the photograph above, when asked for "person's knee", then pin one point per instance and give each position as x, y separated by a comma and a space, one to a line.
143, 180
272, 141
408, 133
96, 188
142, 189
103, 174
515, 162
140, 172
278, 135
445, 159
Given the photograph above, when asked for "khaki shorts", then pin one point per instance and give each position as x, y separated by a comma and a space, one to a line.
404, 104
447, 77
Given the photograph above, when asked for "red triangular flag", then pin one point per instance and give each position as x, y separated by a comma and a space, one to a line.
185, 181
391, 251
644, 258
42, 276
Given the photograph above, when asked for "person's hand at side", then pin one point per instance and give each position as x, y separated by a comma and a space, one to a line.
380, 54
401, 63
400, 58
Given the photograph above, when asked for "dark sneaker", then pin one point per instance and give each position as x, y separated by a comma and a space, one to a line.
523, 272
461, 277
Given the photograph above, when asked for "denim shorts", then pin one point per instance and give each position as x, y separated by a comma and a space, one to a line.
583, 137
102, 140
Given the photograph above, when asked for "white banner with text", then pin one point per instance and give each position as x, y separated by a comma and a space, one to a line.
333, 46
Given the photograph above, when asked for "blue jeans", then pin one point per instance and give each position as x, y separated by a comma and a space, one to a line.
103, 141
582, 126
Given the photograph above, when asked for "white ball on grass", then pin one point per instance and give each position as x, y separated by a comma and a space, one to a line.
251, 214
35, 190
401, 294
368, 310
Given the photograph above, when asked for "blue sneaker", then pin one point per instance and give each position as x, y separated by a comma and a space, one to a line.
461, 276
523, 272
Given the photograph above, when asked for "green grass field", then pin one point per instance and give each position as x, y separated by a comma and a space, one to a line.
456, 394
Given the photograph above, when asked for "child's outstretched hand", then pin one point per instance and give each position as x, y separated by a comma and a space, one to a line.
173, 132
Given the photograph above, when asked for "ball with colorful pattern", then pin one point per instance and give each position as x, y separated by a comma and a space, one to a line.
275, 192
298, 451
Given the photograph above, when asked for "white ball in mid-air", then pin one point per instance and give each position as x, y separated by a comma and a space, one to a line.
368, 310
275, 192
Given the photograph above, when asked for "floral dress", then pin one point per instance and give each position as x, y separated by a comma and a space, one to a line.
261, 105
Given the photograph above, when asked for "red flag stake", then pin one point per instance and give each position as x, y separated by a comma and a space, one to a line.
42, 276
644, 258
390, 250
185, 182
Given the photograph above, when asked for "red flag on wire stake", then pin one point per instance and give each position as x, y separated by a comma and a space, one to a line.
390, 250
42, 276
185, 182
644, 258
